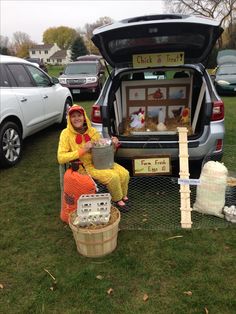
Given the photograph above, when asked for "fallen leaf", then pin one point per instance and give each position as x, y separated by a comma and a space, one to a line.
174, 237
99, 277
110, 291
188, 293
1, 286
206, 310
47, 271
144, 219
145, 297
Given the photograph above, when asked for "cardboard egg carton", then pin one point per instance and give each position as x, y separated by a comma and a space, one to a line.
93, 209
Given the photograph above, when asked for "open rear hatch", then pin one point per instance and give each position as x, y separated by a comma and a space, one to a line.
155, 48
193, 36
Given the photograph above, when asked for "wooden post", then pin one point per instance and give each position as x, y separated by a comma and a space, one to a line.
198, 107
185, 207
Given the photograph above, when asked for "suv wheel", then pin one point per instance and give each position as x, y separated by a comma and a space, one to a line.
67, 106
10, 144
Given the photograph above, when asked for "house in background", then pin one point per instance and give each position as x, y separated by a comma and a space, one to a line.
60, 57
50, 54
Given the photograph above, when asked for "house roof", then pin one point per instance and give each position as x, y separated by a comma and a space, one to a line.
60, 54
41, 47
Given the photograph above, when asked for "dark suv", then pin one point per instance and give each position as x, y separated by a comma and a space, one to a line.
39, 62
84, 76
158, 84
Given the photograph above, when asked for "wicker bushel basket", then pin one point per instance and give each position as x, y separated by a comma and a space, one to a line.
97, 241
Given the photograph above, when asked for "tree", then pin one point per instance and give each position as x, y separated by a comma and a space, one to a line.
222, 10
78, 48
88, 33
230, 37
23, 50
63, 36
4, 45
4, 51
21, 44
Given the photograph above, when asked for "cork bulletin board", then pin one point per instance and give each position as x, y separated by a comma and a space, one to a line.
156, 106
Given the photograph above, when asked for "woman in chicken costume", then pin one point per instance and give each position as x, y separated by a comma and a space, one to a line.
76, 143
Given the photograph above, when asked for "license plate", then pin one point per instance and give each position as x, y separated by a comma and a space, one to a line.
151, 165
76, 91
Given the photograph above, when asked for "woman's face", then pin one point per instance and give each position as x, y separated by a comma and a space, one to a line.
77, 120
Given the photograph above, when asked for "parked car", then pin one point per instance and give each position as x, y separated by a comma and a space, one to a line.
91, 57
161, 45
225, 75
85, 76
30, 101
225, 79
39, 63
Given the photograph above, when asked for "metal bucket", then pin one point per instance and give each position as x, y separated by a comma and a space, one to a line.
103, 157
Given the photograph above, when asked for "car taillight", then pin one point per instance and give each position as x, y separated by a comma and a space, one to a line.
217, 111
219, 144
96, 114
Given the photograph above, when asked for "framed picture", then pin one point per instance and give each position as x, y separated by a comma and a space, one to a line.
156, 93
137, 94
177, 92
175, 111
156, 118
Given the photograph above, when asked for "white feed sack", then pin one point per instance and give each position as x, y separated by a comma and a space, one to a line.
210, 198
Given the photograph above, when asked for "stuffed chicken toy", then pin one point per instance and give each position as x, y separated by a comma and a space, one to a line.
137, 119
185, 115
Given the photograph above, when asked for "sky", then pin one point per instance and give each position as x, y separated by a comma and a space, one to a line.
34, 17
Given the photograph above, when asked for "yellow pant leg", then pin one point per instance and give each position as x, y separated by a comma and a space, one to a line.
124, 178
116, 180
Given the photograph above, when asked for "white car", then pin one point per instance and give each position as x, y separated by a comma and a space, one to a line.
30, 101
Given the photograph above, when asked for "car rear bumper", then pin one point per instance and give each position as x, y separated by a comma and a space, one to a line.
198, 149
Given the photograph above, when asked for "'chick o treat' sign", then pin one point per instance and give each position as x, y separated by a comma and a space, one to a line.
158, 59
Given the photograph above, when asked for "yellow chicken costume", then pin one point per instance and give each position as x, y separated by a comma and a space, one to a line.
70, 148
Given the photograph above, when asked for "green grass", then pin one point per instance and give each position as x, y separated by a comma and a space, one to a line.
54, 70
34, 239
230, 116
230, 140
